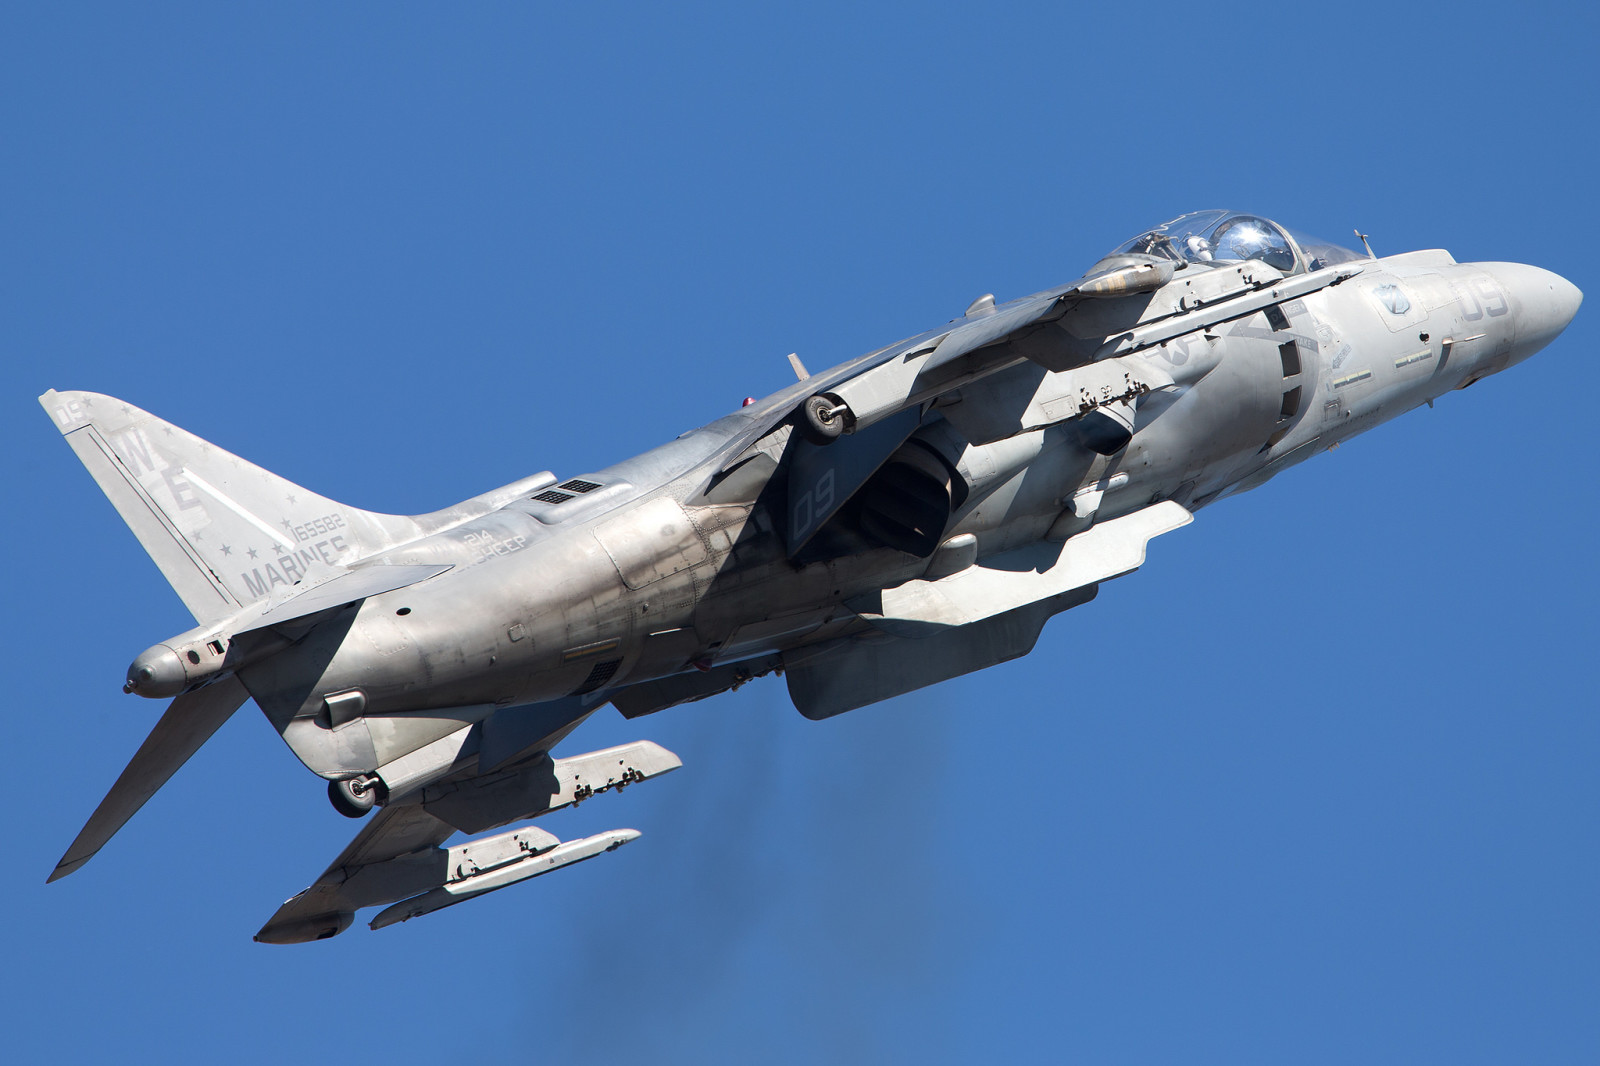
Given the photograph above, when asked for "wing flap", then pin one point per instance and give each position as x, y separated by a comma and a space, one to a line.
830, 679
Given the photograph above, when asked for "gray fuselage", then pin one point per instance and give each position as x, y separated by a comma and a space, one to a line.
675, 561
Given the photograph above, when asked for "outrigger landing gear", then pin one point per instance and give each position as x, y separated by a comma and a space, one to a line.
353, 797
823, 418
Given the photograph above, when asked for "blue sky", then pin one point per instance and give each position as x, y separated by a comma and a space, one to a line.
1318, 784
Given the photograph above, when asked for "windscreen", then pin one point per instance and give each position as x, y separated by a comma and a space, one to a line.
1229, 236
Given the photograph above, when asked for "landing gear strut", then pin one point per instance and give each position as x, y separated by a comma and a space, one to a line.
355, 796
823, 418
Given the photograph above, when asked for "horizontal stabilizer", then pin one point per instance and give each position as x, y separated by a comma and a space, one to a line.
1014, 579
189, 721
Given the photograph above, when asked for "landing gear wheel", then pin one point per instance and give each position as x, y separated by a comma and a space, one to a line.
823, 418
355, 796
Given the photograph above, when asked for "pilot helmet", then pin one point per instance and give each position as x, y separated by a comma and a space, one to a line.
1197, 249
1248, 237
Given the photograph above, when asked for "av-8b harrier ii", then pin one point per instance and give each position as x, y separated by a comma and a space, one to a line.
912, 515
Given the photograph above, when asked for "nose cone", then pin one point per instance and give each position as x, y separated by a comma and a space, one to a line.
1543, 301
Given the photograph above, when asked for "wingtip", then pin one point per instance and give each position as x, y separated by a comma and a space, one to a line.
65, 867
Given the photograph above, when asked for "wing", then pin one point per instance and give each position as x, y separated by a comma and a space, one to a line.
927, 631
1117, 310
398, 857
1105, 317
1094, 344
978, 328
400, 844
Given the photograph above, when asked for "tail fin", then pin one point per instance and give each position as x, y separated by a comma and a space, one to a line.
224, 532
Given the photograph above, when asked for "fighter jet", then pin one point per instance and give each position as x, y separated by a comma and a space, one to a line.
903, 518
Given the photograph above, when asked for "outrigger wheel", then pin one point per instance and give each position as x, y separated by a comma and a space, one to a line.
353, 797
823, 418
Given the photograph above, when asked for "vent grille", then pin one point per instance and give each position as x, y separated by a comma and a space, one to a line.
1291, 404
580, 485
1289, 352
552, 496
602, 672
907, 503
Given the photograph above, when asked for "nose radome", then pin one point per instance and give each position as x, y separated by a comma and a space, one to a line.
1544, 302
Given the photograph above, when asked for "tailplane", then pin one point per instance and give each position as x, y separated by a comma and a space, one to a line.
224, 532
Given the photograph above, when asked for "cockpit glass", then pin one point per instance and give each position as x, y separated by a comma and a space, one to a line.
1248, 237
1320, 253
1228, 236
1183, 238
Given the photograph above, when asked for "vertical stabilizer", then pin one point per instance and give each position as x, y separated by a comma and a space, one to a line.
223, 531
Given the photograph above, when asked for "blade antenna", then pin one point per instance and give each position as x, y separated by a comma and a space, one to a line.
1365, 245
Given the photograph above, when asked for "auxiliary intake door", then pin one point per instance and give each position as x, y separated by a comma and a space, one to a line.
823, 477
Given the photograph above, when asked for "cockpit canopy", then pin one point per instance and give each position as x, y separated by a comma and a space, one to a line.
1228, 236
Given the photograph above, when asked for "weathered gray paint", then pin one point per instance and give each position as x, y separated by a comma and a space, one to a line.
437, 658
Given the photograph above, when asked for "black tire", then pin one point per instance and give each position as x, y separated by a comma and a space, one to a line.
818, 420
346, 800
